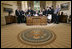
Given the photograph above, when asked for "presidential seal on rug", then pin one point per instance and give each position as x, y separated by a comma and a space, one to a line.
37, 36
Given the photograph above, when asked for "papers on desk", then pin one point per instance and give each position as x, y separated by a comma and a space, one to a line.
40, 13
36, 15
49, 16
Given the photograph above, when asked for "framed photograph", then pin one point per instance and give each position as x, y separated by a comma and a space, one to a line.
65, 6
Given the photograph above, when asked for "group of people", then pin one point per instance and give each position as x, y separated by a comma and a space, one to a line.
20, 15
51, 13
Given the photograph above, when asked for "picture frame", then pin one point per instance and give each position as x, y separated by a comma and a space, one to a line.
65, 6
7, 9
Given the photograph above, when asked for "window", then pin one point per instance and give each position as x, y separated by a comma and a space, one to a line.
36, 5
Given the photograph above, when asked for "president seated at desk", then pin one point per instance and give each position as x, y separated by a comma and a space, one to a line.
36, 20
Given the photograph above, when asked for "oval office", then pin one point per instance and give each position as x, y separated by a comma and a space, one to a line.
36, 24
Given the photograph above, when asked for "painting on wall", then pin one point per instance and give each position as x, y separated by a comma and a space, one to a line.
65, 6
9, 10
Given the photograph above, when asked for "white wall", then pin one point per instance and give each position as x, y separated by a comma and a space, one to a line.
48, 3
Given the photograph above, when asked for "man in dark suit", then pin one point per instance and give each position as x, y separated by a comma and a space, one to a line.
33, 12
44, 12
36, 14
56, 14
52, 12
18, 14
30, 10
47, 11
22, 15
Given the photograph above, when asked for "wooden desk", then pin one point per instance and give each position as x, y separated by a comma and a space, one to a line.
36, 20
63, 18
10, 19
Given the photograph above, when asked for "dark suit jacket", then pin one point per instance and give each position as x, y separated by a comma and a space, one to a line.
17, 13
21, 13
52, 11
31, 11
34, 12
44, 12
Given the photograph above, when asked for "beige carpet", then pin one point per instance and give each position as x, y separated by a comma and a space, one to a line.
10, 32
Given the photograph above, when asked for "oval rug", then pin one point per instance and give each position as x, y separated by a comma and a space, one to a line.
37, 36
